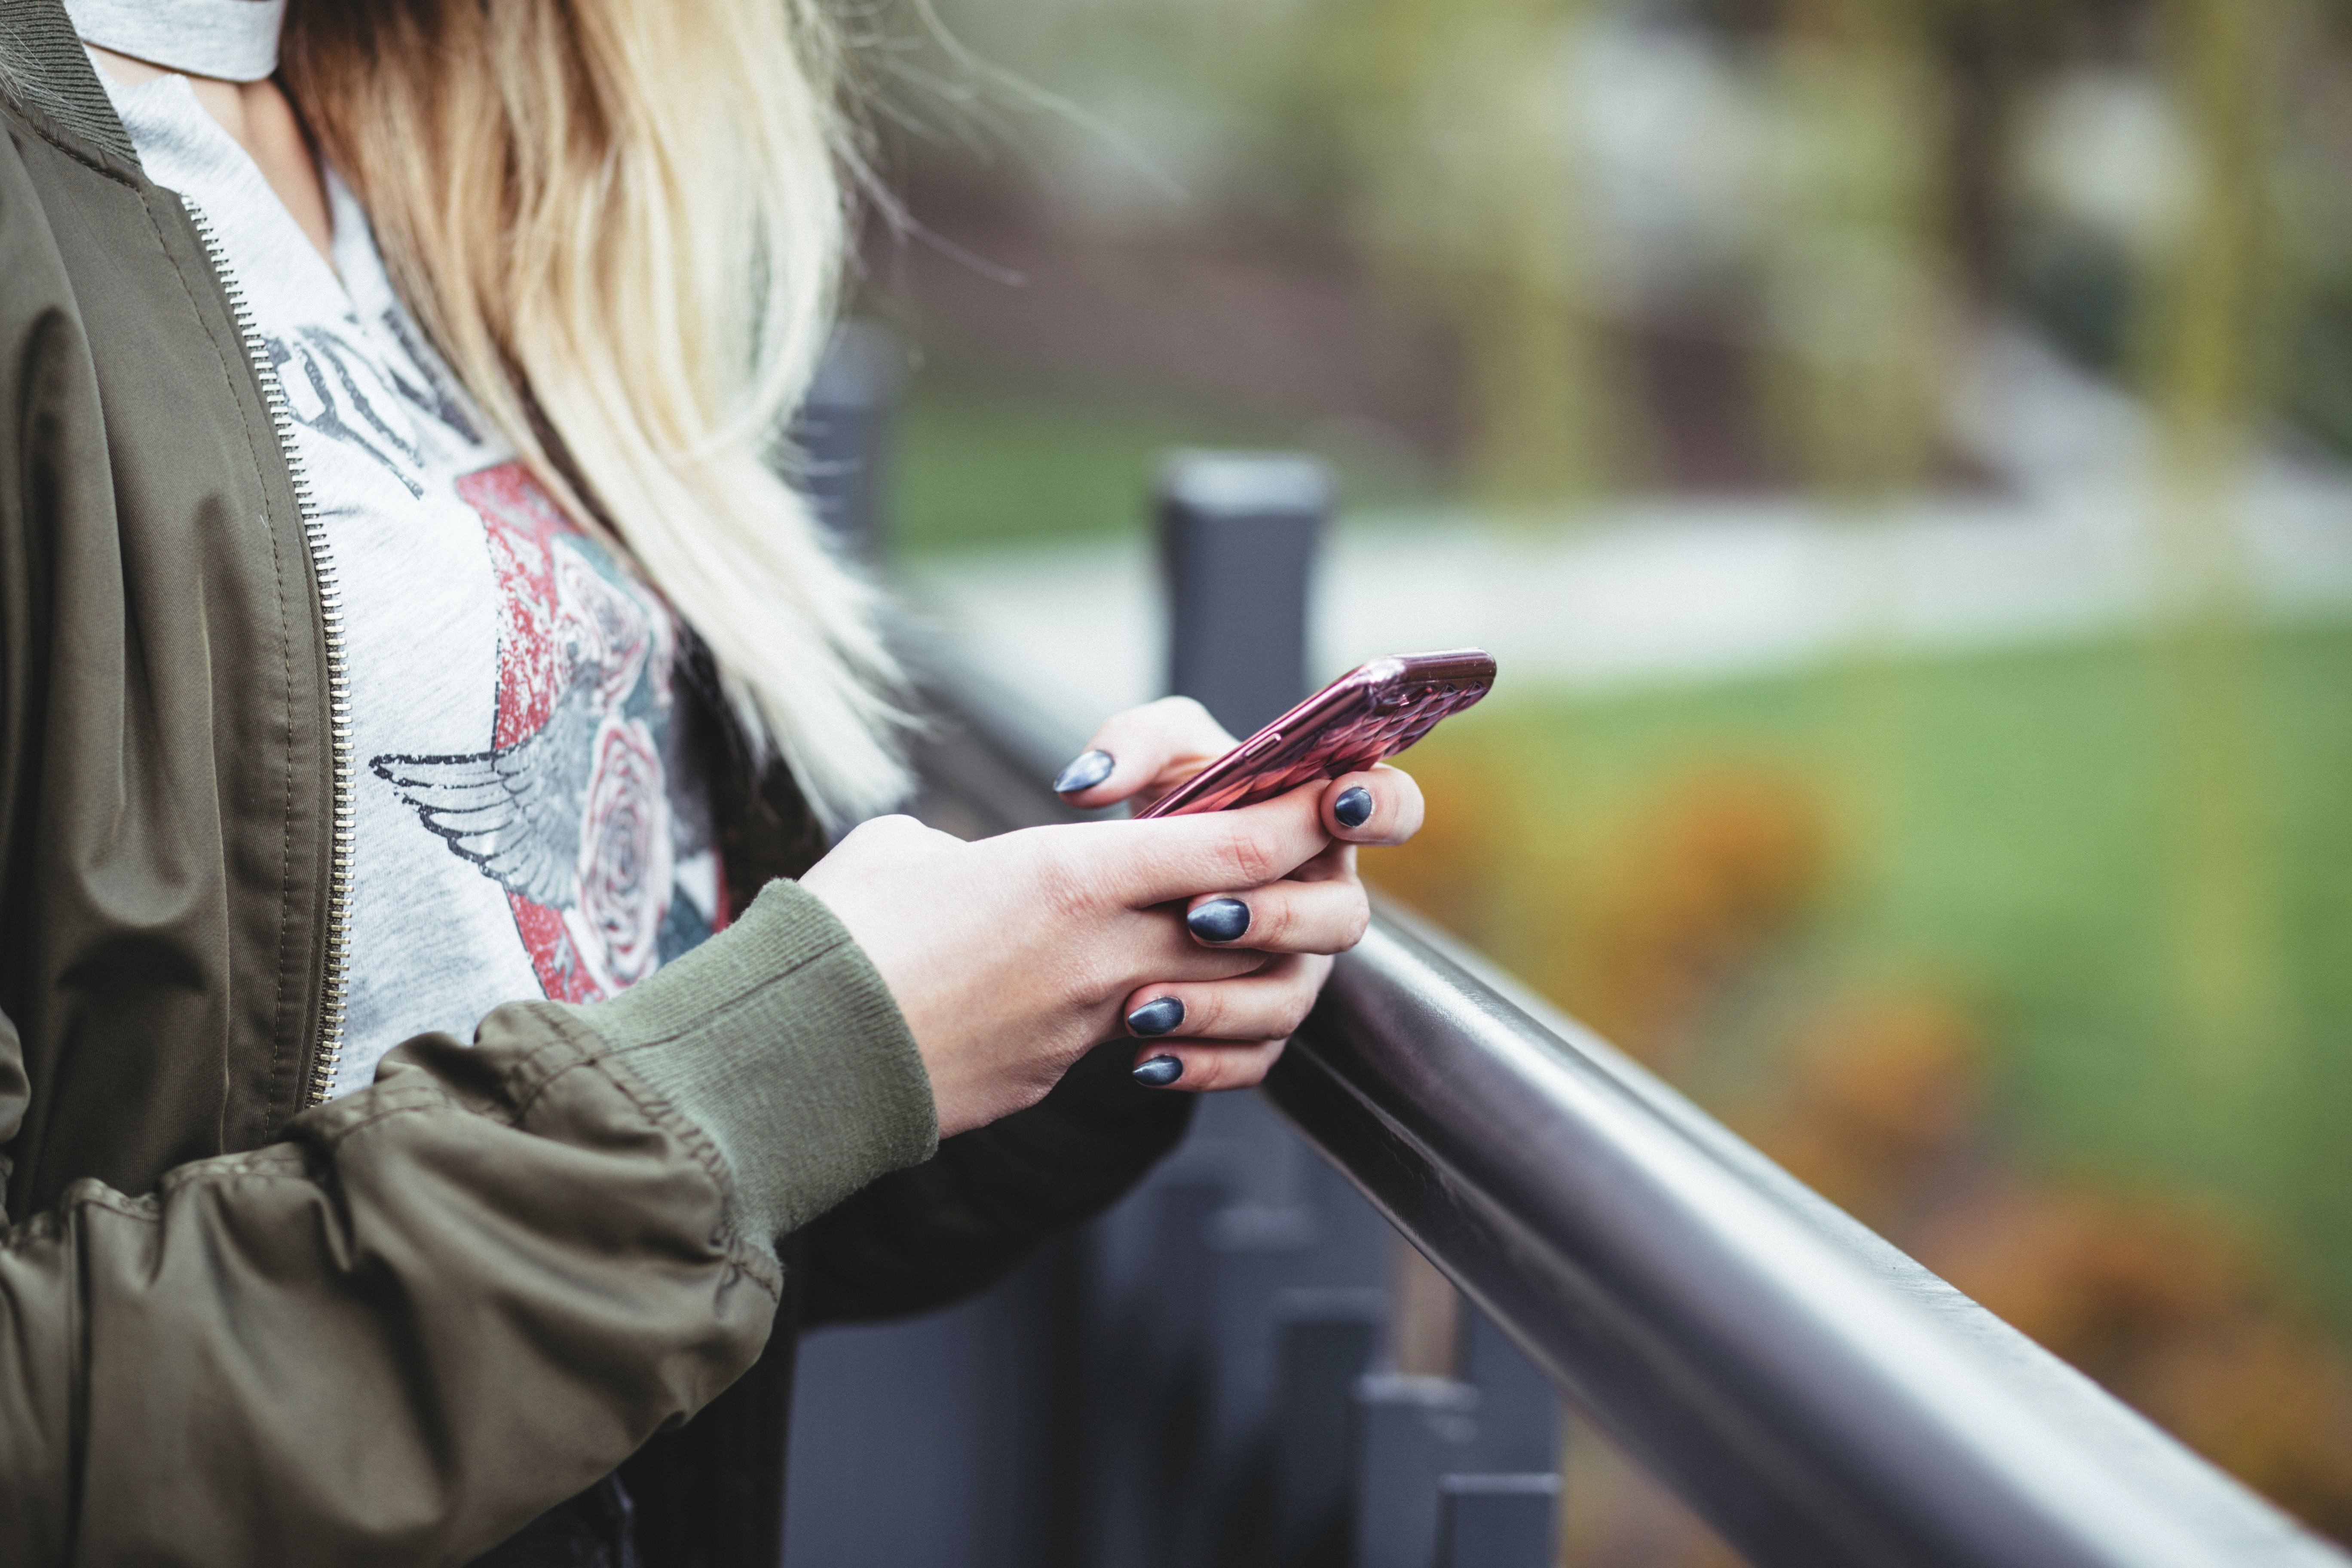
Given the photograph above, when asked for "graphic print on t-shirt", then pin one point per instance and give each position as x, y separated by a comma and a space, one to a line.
510, 681
569, 809
325, 372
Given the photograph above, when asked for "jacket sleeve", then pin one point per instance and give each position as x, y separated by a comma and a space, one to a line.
448, 1301
921, 1238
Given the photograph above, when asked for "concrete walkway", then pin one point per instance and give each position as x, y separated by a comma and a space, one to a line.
2064, 548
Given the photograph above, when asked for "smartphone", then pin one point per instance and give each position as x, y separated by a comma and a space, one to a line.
1368, 715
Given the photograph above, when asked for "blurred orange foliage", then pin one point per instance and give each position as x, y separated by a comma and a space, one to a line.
1454, 869
1714, 869
2168, 1307
1882, 1094
1879, 1096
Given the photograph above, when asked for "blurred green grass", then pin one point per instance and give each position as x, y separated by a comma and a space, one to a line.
982, 461
2002, 827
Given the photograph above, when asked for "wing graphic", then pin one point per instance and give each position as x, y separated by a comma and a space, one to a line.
514, 811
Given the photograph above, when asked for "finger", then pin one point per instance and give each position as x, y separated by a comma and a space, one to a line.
1322, 916
1267, 1005
1337, 863
1380, 806
1147, 944
1172, 857
1203, 1069
1156, 746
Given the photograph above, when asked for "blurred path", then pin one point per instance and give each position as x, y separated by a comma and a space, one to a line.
1695, 590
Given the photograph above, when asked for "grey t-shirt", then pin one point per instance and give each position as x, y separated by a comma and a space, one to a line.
530, 818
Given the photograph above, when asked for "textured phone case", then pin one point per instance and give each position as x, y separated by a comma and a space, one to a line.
1366, 716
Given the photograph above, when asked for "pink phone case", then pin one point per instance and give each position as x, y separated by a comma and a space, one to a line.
1366, 716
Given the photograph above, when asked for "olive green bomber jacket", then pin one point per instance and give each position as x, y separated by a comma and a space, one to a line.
240, 1327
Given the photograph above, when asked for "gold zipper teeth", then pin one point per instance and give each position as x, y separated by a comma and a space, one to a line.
344, 813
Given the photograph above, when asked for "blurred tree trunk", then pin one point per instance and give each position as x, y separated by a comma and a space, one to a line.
1858, 286
1544, 426
1984, 48
1861, 313
1467, 175
2210, 346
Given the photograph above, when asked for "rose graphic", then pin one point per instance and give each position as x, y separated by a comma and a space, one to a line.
624, 856
603, 634
569, 810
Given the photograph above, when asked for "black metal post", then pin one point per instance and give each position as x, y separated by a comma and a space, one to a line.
839, 441
1457, 1472
1519, 1410
1498, 1521
1324, 1341
1238, 531
1411, 1432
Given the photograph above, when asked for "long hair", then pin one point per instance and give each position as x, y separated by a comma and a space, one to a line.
621, 223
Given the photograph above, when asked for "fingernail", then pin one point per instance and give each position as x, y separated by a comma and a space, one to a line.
1156, 1016
1353, 808
1220, 920
1158, 1072
1086, 770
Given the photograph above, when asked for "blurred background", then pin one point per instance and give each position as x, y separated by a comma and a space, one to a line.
1900, 452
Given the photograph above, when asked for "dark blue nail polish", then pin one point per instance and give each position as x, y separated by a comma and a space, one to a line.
1086, 770
1220, 920
1354, 806
1158, 1072
1156, 1016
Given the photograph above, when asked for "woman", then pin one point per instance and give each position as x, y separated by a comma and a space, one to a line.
419, 1084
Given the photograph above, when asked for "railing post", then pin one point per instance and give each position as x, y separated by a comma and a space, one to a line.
1446, 1478
1237, 539
1411, 1432
1498, 1521
1324, 1340
834, 453
1519, 1407
1237, 533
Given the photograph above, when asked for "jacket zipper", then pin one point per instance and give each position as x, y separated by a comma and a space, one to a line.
329, 1049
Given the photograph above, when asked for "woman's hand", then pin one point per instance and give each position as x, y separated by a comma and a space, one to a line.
1012, 956
1233, 1029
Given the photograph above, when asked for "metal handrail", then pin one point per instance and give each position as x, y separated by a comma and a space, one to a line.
1816, 1394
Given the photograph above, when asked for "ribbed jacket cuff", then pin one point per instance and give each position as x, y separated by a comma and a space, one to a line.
778, 1039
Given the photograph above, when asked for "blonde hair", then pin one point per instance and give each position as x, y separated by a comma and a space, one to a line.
621, 223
